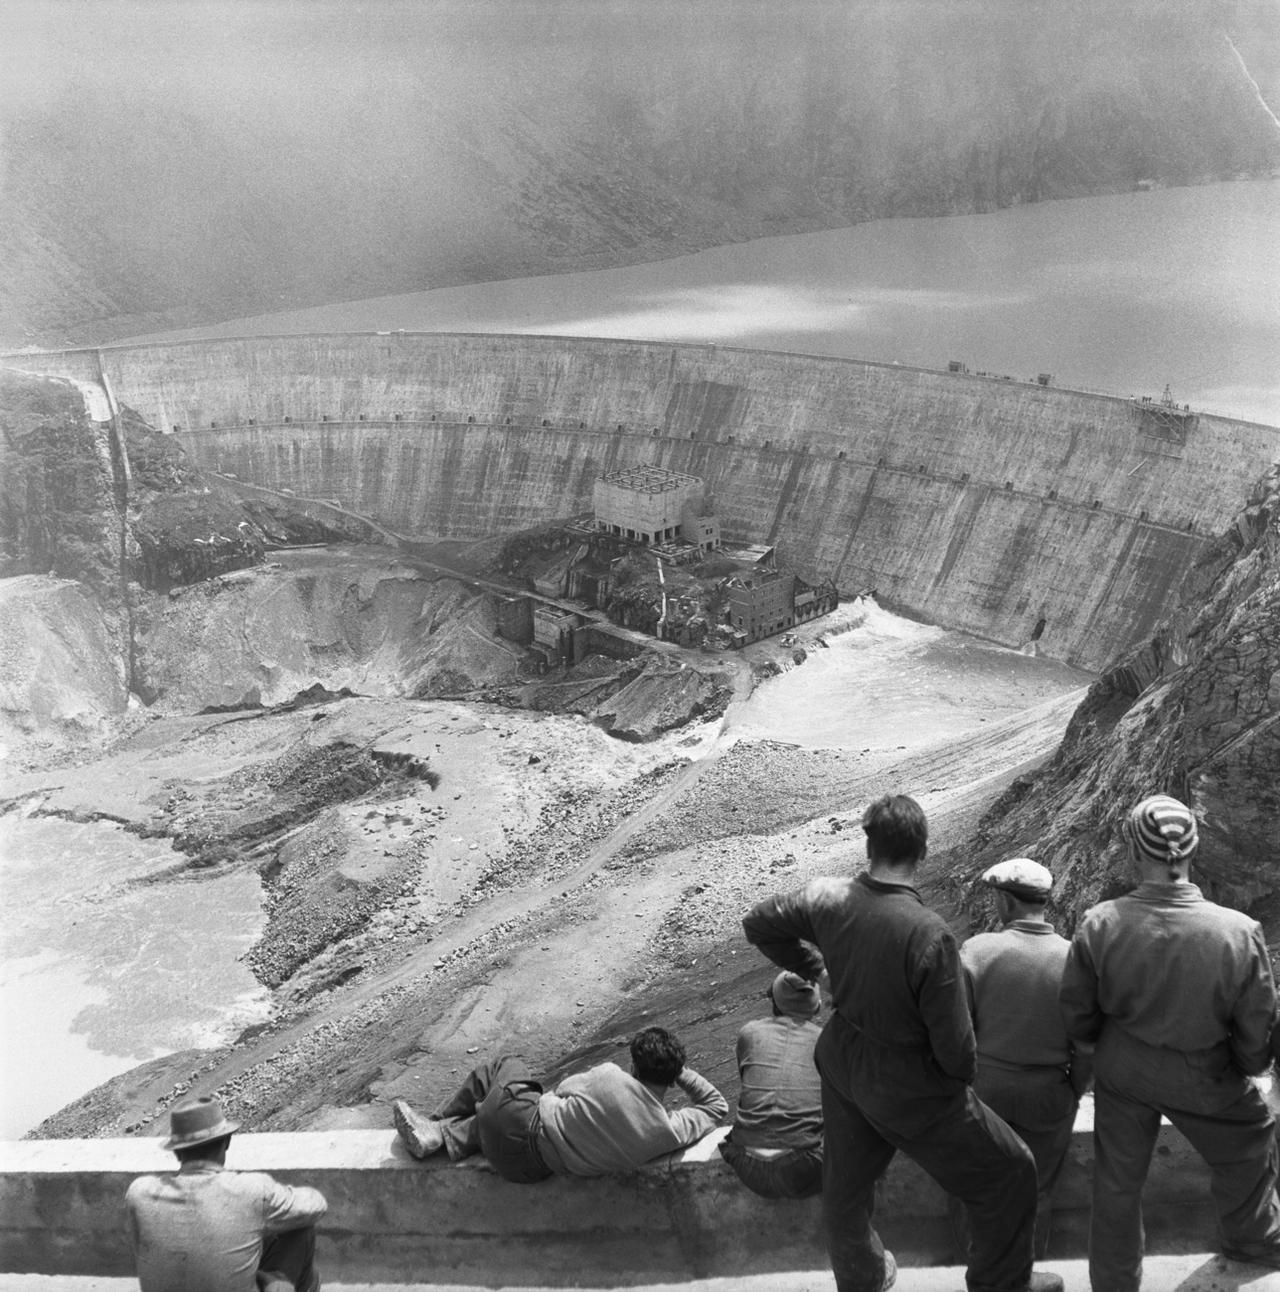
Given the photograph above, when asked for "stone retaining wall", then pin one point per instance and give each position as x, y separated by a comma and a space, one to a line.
394, 1219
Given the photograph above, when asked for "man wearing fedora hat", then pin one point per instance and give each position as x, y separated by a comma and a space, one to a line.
206, 1229
775, 1145
1029, 1071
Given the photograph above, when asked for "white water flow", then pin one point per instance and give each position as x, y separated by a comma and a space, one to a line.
893, 684
100, 970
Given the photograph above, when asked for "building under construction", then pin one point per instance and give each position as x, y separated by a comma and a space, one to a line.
656, 508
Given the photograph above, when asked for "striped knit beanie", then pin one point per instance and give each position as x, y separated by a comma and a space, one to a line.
1162, 830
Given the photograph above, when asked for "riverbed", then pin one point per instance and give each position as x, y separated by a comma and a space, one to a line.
1123, 294
113, 954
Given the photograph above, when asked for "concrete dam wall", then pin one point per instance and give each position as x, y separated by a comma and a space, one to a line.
978, 503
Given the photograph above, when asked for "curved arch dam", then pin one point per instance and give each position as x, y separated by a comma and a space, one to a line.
975, 502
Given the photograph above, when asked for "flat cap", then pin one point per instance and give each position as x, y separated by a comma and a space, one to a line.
1020, 876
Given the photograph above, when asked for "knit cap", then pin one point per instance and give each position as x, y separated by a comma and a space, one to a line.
795, 995
1162, 830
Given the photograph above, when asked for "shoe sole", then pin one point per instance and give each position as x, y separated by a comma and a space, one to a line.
405, 1120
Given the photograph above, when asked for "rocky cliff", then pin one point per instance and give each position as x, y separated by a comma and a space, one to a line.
1194, 712
168, 165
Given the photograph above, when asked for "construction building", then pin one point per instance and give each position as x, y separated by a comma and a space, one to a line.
762, 602
553, 630
655, 507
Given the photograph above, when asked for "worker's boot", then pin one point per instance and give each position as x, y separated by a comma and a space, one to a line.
890, 1271
422, 1136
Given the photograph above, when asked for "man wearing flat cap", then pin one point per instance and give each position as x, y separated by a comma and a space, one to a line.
775, 1146
206, 1229
1029, 1071
1177, 993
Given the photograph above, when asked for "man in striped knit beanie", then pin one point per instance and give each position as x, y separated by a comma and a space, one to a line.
1177, 993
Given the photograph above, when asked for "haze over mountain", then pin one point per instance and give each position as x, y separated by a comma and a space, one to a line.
187, 161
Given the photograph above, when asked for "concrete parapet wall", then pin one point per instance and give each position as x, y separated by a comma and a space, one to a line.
978, 503
393, 1219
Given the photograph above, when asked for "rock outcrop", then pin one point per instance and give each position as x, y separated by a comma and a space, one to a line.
62, 676
1194, 712
60, 509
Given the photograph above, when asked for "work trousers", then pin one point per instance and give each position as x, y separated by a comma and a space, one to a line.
1225, 1119
495, 1112
1039, 1106
290, 1258
961, 1143
797, 1173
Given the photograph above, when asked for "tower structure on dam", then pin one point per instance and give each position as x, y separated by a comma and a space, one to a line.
998, 507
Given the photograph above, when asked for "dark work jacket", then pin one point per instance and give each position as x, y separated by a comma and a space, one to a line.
900, 1042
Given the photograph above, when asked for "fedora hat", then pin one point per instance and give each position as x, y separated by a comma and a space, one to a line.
197, 1122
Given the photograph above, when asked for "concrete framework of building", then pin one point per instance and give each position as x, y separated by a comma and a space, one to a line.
656, 507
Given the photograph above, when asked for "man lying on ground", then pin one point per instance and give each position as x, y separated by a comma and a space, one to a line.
596, 1122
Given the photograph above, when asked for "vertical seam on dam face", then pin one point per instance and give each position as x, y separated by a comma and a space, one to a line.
968, 507
1118, 567
867, 493
785, 495
546, 414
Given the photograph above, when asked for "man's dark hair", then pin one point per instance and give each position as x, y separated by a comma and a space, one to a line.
657, 1056
202, 1152
896, 829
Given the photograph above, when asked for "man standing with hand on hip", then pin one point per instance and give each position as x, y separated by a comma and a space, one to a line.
897, 1058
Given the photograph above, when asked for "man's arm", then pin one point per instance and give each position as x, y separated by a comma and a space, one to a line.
709, 1107
131, 1218
1254, 1014
1078, 996
780, 927
943, 1000
1080, 1069
287, 1207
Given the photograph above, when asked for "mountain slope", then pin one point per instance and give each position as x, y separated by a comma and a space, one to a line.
1194, 712
186, 163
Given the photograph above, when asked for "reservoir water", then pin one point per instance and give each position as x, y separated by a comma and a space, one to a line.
1124, 294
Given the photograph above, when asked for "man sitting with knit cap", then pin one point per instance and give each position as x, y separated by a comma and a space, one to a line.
775, 1146
206, 1229
1029, 1072
1178, 995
